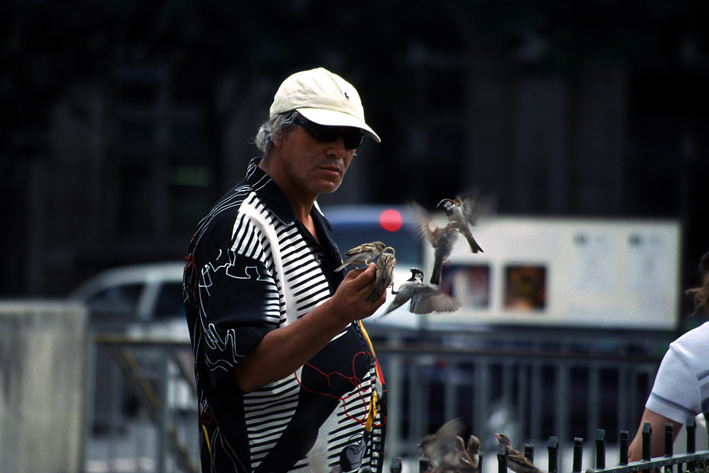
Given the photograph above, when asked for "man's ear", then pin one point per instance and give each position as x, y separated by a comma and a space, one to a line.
277, 140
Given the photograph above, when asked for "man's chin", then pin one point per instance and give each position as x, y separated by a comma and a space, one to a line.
328, 187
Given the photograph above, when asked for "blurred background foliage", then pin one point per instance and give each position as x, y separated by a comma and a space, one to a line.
50, 45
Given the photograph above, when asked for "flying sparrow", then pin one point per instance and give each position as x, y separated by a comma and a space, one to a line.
362, 254
441, 239
385, 273
464, 213
515, 460
424, 299
445, 449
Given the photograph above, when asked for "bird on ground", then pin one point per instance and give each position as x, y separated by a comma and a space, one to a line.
464, 213
362, 254
445, 449
424, 298
385, 273
441, 239
515, 460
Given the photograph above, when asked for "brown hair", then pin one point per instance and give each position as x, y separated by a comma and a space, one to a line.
701, 293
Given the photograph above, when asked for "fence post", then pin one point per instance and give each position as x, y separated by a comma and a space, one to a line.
553, 449
624, 437
669, 450
600, 449
395, 465
424, 464
647, 439
529, 452
669, 439
691, 427
502, 459
578, 454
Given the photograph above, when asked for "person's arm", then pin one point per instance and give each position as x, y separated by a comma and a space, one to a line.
282, 351
657, 444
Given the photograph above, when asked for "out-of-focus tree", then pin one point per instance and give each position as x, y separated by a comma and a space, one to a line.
50, 45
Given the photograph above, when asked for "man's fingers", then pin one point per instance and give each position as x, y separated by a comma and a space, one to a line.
363, 276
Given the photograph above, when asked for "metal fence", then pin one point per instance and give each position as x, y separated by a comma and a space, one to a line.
691, 461
143, 411
528, 385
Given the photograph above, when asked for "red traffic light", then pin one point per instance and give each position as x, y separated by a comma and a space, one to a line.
390, 220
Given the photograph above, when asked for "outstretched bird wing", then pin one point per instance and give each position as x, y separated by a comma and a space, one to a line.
428, 299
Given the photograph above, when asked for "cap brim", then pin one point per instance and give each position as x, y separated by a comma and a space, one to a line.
330, 118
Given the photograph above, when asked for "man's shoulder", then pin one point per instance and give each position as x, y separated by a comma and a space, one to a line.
222, 216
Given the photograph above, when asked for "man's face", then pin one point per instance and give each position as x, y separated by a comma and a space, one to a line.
312, 165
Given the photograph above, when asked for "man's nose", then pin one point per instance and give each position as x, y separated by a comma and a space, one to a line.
337, 148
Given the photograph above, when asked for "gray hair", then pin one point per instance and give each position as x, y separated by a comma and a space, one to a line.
274, 126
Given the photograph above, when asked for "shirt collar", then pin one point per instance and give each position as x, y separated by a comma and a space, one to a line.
269, 192
276, 201
272, 196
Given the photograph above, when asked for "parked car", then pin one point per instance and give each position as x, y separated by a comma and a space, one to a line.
136, 298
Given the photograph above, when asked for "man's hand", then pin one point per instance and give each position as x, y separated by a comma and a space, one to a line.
349, 301
284, 350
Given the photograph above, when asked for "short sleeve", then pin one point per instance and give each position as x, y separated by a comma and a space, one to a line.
675, 393
240, 306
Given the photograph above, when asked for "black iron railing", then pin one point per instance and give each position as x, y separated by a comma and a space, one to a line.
692, 461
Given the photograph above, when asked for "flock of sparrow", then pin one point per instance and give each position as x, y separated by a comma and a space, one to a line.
445, 450
461, 214
447, 453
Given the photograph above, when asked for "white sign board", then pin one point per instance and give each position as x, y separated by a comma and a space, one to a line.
565, 272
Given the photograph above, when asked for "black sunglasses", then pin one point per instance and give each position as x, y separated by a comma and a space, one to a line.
352, 137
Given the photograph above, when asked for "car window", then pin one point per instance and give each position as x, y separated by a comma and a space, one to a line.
119, 299
170, 303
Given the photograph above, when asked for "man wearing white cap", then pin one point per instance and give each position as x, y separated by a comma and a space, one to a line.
287, 379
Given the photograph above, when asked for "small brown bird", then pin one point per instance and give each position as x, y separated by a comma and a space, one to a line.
385, 273
515, 460
441, 239
362, 254
445, 449
462, 212
424, 299
473, 449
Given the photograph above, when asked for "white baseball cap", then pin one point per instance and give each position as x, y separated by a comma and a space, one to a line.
323, 98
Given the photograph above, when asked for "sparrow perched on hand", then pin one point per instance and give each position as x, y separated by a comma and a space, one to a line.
445, 450
424, 299
441, 239
462, 212
515, 460
385, 273
362, 254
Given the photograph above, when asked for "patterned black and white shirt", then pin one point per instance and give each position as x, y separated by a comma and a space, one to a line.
253, 267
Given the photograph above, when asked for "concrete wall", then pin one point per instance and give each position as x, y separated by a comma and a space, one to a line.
42, 347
